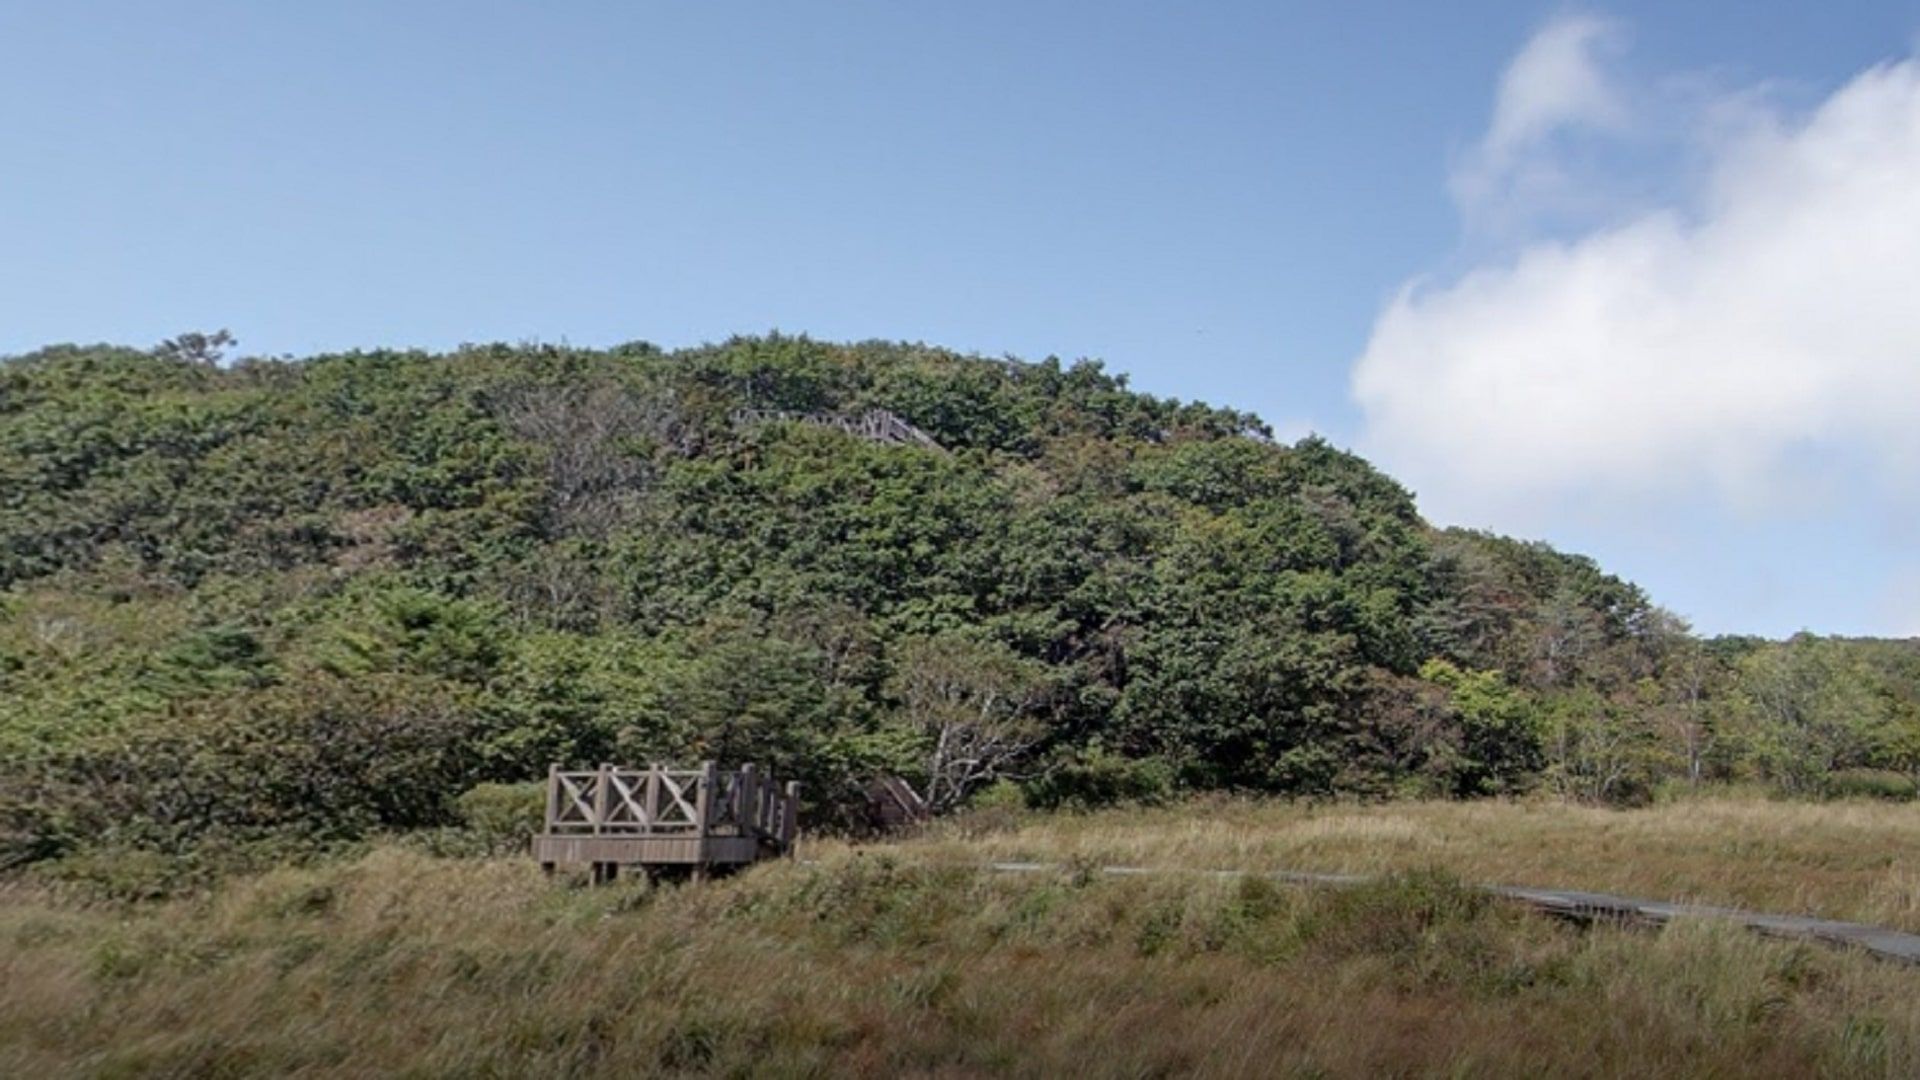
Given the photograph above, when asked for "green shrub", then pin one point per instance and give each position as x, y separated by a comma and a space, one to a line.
998, 808
126, 875
1002, 795
502, 816
1098, 778
1870, 784
1632, 792
1399, 915
29, 832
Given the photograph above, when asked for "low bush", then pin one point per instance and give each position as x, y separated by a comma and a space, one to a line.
1098, 778
1870, 784
502, 816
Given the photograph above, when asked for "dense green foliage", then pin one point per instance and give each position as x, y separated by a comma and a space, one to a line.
272, 602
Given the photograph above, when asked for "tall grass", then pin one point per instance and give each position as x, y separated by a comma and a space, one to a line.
894, 963
1847, 860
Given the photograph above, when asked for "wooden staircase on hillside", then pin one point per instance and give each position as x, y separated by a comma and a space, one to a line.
874, 425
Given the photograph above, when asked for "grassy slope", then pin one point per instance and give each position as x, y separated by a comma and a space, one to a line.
888, 962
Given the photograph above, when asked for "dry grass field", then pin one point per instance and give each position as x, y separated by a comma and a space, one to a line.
901, 961
1842, 860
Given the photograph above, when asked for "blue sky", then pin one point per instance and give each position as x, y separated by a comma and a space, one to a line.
1387, 223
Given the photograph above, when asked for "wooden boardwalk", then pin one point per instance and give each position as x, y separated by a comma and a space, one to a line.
660, 818
1879, 941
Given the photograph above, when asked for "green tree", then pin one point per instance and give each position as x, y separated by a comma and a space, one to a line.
1501, 738
973, 707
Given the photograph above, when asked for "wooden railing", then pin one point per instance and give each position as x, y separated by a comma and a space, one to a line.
656, 801
874, 425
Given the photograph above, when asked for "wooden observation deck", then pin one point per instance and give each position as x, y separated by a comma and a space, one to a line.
662, 819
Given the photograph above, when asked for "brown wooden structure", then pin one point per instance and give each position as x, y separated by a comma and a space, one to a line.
893, 805
658, 818
874, 425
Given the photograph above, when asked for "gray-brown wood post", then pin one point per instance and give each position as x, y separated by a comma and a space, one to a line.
746, 799
703, 800
553, 795
703, 815
790, 819
776, 810
600, 796
653, 793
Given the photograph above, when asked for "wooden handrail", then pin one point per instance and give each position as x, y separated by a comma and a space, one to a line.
874, 425
612, 801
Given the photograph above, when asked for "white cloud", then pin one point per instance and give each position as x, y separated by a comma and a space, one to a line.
1554, 85
1555, 81
1768, 328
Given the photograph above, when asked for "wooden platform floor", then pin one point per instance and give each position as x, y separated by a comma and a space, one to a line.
562, 850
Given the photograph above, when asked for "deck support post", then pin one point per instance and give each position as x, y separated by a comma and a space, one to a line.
790, 820
553, 793
745, 796
703, 811
703, 800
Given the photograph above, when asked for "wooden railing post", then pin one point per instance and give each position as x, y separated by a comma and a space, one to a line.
553, 795
745, 799
790, 816
703, 800
600, 790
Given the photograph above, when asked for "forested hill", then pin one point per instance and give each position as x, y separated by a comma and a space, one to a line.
251, 601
